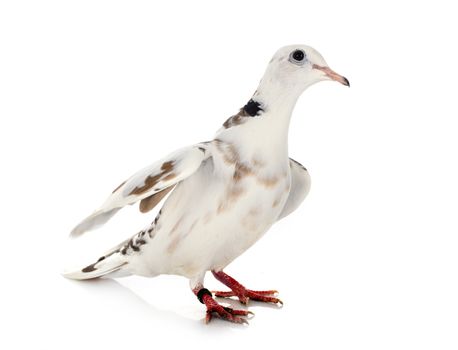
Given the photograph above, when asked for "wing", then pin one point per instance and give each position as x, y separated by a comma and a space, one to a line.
300, 187
148, 185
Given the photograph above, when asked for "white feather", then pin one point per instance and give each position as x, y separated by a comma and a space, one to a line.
185, 162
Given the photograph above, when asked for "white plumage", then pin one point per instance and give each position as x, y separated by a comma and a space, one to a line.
223, 194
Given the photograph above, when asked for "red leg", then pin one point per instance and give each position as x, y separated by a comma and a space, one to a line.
243, 293
226, 313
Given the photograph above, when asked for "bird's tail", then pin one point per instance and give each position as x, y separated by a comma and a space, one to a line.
113, 262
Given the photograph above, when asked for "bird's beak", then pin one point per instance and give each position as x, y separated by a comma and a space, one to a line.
332, 75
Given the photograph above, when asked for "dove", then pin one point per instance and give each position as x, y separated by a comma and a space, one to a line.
218, 197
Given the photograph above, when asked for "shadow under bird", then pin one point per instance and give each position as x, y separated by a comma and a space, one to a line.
223, 195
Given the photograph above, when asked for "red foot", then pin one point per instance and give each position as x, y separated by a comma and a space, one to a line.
226, 313
244, 294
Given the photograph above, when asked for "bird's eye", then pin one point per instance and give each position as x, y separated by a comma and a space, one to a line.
297, 56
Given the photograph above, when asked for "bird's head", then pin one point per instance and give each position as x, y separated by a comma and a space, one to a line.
299, 66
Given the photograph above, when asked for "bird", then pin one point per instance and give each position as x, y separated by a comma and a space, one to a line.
218, 197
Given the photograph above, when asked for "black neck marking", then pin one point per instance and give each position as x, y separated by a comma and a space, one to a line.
253, 108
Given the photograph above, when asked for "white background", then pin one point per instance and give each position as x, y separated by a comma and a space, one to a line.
91, 91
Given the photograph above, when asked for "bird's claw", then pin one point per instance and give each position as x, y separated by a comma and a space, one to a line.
228, 314
244, 296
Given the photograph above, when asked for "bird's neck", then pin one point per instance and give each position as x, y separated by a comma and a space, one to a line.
264, 130
277, 101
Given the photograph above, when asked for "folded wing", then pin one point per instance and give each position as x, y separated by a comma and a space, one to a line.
300, 187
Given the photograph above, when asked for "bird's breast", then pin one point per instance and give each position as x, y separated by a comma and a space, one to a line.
215, 215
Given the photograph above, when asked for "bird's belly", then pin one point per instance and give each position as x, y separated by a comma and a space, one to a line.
218, 225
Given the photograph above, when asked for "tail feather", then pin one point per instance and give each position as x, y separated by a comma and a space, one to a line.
112, 262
